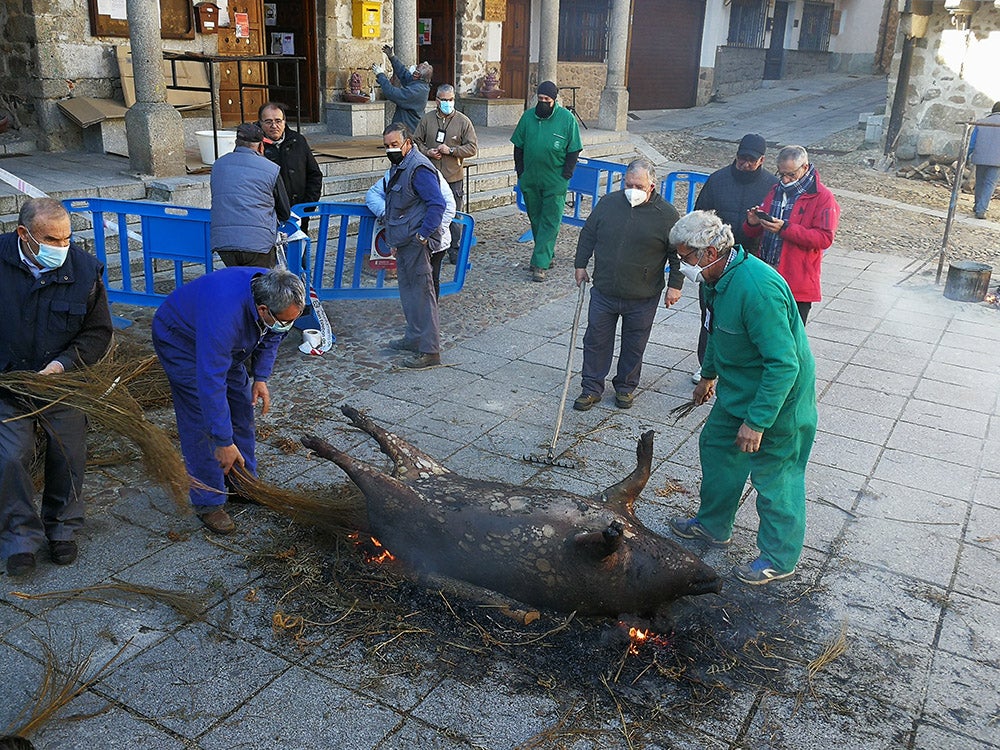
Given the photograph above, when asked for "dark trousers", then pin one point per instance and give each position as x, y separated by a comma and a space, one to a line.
436, 260
416, 295
804, 308
197, 445
703, 331
22, 528
457, 190
249, 258
599, 340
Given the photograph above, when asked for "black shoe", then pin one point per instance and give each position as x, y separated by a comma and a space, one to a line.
585, 401
422, 361
403, 345
453, 257
20, 564
624, 400
63, 553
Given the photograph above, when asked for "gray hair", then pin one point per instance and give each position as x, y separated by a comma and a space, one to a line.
699, 230
278, 289
397, 127
795, 154
35, 208
445, 88
426, 71
642, 163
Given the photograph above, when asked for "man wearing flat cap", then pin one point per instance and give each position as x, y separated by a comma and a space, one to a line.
249, 201
730, 192
546, 146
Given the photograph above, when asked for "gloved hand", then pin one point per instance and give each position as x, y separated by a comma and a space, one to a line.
387, 48
378, 69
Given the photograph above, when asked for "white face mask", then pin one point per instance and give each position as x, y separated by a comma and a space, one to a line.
412, 69
694, 273
636, 197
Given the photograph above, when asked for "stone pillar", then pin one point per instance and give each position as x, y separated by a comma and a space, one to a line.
404, 31
153, 127
613, 114
548, 43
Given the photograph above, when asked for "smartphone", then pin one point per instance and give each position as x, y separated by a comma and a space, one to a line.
763, 215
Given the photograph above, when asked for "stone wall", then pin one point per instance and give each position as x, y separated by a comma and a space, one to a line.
737, 70
953, 79
16, 64
802, 64
590, 77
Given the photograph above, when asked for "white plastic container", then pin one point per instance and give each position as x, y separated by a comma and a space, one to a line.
225, 138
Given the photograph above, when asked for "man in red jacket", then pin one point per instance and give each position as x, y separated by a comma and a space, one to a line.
796, 223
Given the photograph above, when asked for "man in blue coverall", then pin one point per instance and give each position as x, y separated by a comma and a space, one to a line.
217, 338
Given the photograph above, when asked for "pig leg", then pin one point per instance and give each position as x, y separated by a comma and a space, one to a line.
410, 463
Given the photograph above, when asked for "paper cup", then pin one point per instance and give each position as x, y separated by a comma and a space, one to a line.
313, 337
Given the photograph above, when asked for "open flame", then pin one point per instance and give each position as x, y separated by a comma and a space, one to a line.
640, 636
992, 299
371, 549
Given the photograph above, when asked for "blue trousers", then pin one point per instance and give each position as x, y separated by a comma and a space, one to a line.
22, 528
599, 340
197, 445
987, 176
416, 295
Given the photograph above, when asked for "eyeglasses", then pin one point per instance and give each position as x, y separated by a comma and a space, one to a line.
793, 174
688, 254
442, 99
273, 122
747, 159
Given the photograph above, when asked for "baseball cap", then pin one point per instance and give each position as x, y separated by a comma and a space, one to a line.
752, 145
250, 132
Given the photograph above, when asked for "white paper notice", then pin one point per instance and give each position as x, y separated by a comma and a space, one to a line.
113, 9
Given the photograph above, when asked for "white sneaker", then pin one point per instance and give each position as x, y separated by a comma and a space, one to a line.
696, 376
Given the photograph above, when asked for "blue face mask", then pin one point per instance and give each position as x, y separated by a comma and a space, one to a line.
447, 107
49, 256
277, 326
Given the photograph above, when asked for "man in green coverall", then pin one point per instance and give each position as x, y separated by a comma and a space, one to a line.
764, 418
546, 146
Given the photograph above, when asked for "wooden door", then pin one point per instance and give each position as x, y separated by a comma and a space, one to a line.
296, 17
665, 53
774, 59
233, 107
440, 52
514, 50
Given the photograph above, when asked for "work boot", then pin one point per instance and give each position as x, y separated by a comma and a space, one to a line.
422, 361
218, 521
624, 400
403, 345
20, 564
63, 552
585, 401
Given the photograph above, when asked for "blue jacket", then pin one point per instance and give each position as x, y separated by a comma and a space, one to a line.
248, 201
410, 97
211, 325
62, 315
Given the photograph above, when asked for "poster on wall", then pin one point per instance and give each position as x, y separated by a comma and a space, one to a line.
282, 43
270, 14
423, 31
241, 22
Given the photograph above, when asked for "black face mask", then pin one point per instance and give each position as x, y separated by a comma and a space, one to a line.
544, 109
394, 156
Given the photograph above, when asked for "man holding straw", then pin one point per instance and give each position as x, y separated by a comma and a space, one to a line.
217, 338
56, 319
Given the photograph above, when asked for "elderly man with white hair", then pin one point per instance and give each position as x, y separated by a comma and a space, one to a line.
763, 421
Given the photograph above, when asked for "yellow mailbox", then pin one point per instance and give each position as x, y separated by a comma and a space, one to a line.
367, 19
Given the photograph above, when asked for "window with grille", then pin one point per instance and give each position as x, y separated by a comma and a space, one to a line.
815, 34
747, 20
583, 30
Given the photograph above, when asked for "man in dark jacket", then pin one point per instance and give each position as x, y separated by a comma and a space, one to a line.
248, 201
628, 233
985, 149
290, 151
56, 308
412, 93
730, 192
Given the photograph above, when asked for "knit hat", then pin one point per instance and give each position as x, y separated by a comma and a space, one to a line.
249, 132
549, 89
752, 145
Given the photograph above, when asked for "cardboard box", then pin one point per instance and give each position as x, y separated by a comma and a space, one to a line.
86, 111
189, 73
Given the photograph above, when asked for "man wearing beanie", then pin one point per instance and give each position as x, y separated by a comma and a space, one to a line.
546, 146
730, 192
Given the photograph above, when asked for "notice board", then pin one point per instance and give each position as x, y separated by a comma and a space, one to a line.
108, 18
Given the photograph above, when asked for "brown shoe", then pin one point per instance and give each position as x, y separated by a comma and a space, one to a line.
422, 361
218, 521
537, 274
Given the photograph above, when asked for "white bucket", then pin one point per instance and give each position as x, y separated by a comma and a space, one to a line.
225, 138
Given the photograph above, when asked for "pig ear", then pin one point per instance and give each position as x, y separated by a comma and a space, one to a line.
624, 493
600, 544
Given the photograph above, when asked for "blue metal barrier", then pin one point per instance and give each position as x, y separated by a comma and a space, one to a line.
336, 263
594, 178
668, 187
177, 234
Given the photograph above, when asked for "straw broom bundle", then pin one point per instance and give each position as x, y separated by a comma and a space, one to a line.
100, 391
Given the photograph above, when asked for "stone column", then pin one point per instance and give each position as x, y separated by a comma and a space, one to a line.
548, 43
613, 114
153, 127
404, 31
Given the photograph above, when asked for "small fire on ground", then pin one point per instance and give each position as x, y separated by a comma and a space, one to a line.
371, 549
640, 636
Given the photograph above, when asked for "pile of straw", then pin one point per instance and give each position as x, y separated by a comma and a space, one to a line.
101, 391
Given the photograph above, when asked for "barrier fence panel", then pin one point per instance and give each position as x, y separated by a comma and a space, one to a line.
340, 264
178, 235
594, 179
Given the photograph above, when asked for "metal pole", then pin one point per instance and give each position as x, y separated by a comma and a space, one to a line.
955, 190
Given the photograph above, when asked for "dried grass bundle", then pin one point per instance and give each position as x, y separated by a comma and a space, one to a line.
60, 685
101, 392
341, 510
187, 605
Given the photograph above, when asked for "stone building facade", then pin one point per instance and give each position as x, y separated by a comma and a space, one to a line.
952, 78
